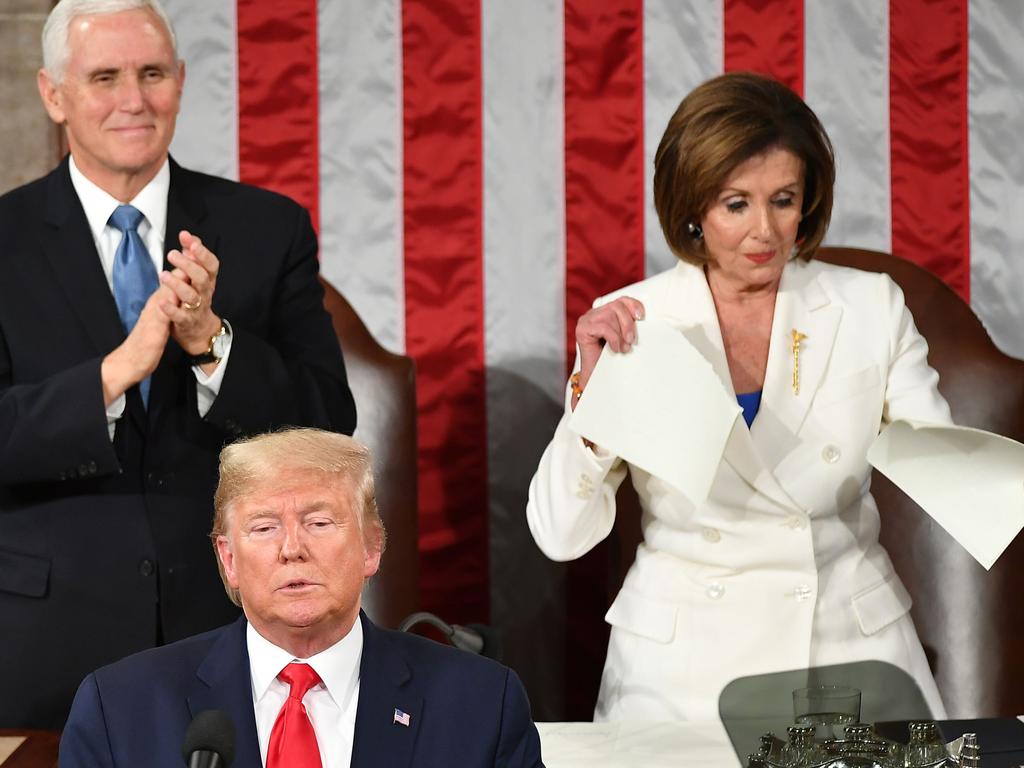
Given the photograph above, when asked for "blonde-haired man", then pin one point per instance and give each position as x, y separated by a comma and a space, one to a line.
296, 535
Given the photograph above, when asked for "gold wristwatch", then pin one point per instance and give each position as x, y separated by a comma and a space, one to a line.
218, 346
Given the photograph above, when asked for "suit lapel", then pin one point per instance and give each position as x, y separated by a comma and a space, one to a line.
223, 682
803, 306
186, 209
69, 247
386, 684
689, 306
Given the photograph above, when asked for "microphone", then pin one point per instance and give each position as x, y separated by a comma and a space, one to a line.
475, 638
490, 640
209, 740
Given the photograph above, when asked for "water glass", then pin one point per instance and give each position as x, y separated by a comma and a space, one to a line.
829, 708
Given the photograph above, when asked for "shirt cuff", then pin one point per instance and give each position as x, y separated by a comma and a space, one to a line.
208, 387
114, 412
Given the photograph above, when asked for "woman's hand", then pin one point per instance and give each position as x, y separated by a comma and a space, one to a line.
613, 324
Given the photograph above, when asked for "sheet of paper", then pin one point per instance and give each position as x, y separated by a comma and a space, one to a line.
8, 744
971, 482
661, 407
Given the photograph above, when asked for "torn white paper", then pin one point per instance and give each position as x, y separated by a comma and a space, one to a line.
971, 482
661, 407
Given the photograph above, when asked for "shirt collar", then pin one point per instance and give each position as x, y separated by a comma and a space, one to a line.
338, 666
98, 204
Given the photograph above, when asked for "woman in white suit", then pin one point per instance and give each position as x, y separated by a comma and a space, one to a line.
780, 567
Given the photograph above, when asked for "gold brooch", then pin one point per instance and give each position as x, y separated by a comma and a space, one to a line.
796, 337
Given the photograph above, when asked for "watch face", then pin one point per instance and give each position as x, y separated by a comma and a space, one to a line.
219, 345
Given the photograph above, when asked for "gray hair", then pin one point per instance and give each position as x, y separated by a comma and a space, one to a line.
58, 24
340, 459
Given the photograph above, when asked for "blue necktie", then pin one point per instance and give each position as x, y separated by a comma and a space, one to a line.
134, 274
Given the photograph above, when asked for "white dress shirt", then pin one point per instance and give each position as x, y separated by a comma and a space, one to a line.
331, 706
152, 203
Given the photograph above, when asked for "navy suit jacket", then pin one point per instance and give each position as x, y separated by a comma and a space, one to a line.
106, 541
465, 710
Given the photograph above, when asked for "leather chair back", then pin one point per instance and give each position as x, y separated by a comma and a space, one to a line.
384, 387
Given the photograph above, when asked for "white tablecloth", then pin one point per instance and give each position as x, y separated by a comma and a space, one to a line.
639, 745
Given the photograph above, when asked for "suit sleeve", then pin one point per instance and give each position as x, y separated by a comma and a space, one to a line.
571, 505
84, 742
54, 429
294, 374
911, 385
518, 742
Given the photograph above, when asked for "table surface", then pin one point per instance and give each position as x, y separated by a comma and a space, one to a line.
707, 745
652, 745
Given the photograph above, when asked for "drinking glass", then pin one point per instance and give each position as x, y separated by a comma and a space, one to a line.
828, 708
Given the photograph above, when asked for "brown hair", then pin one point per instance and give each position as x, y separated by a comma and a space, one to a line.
722, 124
342, 460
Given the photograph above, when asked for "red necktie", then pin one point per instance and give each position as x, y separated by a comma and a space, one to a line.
293, 741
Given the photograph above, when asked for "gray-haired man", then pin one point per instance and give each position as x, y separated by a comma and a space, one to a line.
148, 315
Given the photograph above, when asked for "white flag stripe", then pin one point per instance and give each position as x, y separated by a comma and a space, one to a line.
360, 91
996, 109
683, 47
206, 137
524, 291
524, 190
846, 82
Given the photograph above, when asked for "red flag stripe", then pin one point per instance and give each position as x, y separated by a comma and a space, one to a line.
766, 36
278, 105
928, 55
444, 295
604, 229
604, 153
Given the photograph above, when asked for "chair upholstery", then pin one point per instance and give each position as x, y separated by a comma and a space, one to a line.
971, 622
384, 387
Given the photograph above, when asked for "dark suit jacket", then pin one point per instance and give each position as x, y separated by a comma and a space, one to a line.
103, 545
465, 710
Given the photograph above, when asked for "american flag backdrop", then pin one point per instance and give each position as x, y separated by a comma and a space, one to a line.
480, 170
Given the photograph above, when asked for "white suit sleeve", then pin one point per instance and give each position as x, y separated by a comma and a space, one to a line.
571, 503
912, 385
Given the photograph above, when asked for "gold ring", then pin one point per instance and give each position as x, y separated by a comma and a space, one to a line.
193, 307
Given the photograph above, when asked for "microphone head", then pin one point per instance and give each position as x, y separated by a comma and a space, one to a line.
490, 641
494, 646
210, 731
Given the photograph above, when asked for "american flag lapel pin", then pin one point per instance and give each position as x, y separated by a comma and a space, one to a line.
402, 718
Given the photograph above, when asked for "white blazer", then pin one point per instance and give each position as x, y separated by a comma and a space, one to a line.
780, 568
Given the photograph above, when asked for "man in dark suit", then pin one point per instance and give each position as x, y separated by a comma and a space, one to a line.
297, 533
148, 315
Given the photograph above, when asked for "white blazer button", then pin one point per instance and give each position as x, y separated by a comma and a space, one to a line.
585, 488
715, 590
711, 535
831, 454
801, 593
796, 522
